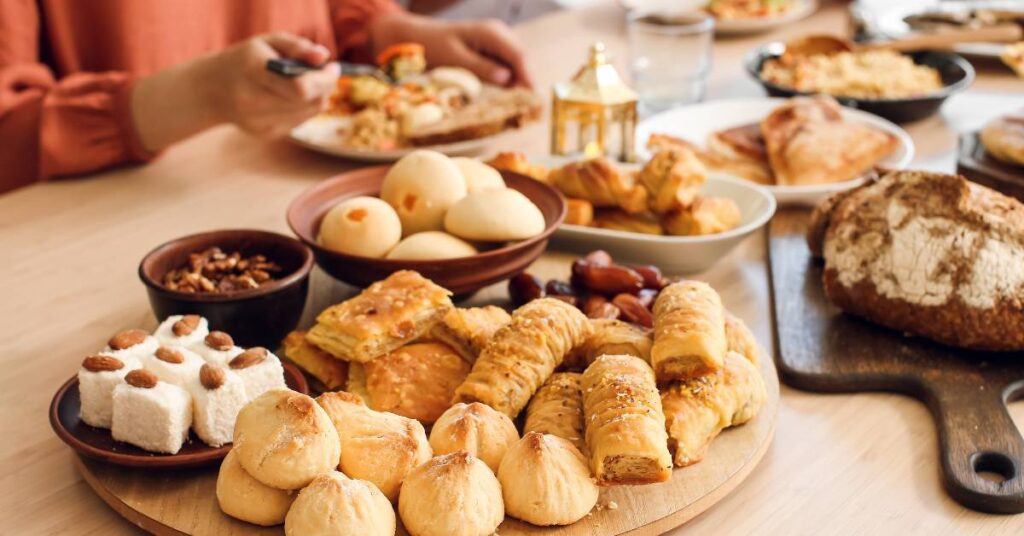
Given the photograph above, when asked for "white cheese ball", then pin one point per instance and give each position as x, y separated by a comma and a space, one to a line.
478, 175
364, 226
494, 216
431, 245
421, 187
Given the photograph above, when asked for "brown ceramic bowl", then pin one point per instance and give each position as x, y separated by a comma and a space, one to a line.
462, 276
257, 317
98, 444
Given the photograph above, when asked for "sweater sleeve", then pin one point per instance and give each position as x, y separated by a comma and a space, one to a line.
56, 127
351, 21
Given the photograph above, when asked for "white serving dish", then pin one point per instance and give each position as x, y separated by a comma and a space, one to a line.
751, 25
320, 134
697, 121
673, 254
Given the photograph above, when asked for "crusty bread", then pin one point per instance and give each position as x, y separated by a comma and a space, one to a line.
930, 254
495, 110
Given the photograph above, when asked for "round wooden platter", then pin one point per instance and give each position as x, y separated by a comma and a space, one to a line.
183, 501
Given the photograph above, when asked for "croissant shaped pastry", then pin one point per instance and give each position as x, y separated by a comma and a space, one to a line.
809, 143
625, 426
335, 504
477, 429
697, 410
602, 183
689, 331
545, 481
521, 355
557, 409
375, 446
673, 177
739, 339
927, 253
451, 495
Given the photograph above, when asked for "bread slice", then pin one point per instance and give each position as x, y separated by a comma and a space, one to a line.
495, 110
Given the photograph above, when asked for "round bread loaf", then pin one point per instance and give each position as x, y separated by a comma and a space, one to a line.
451, 495
430, 245
243, 497
477, 429
335, 504
494, 216
364, 226
546, 481
479, 176
421, 187
284, 439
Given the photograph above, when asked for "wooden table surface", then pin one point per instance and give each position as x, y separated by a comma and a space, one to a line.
841, 464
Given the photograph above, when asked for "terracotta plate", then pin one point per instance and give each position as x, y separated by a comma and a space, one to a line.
97, 443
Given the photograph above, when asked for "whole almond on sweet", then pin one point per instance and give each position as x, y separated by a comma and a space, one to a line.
248, 358
141, 378
218, 340
186, 325
102, 363
169, 355
211, 376
127, 339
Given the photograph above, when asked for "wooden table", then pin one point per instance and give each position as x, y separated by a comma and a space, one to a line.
839, 464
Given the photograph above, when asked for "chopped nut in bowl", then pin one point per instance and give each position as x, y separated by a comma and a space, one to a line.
252, 284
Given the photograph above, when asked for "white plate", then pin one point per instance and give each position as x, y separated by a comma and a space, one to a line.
888, 20
321, 134
803, 9
673, 254
696, 122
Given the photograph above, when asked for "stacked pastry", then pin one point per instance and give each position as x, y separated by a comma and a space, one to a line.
149, 390
431, 207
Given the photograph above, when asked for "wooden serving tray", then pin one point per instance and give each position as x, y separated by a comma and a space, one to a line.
819, 348
184, 501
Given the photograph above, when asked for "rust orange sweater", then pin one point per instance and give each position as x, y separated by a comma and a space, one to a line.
67, 67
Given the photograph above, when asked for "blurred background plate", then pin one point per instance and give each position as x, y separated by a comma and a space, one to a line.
802, 9
696, 122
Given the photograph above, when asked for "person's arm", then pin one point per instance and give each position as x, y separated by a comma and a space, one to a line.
352, 21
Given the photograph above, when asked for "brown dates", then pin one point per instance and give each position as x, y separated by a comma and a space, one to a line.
633, 311
525, 288
612, 280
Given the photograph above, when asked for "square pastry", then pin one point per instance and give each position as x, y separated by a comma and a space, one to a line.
151, 414
96, 381
173, 364
468, 330
182, 330
259, 370
217, 397
384, 317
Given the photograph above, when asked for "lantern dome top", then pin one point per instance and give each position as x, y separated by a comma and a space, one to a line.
597, 82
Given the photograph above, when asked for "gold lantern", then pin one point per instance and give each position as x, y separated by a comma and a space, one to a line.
594, 103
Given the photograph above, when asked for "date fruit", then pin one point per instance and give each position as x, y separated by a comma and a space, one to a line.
612, 280
633, 310
605, 310
651, 274
593, 302
525, 288
559, 288
647, 297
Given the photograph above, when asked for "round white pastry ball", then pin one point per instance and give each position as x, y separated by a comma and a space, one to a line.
494, 216
364, 226
243, 497
451, 495
421, 187
478, 175
335, 504
430, 245
546, 481
457, 77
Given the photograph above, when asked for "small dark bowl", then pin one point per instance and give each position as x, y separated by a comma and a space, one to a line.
463, 276
257, 317
956, 73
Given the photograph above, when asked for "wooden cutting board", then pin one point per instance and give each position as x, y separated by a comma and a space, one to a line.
819, 348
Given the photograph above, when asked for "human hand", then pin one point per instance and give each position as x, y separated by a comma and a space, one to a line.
232, 86
488, 48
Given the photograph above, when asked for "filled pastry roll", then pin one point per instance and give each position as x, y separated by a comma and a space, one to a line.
697, 410
689, 331
615, 337
385, 316
557, 409
468, 330
625, 426
523, 354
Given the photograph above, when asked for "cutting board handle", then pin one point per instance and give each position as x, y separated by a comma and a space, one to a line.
977, 435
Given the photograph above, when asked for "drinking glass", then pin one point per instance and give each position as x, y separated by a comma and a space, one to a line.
669, 57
